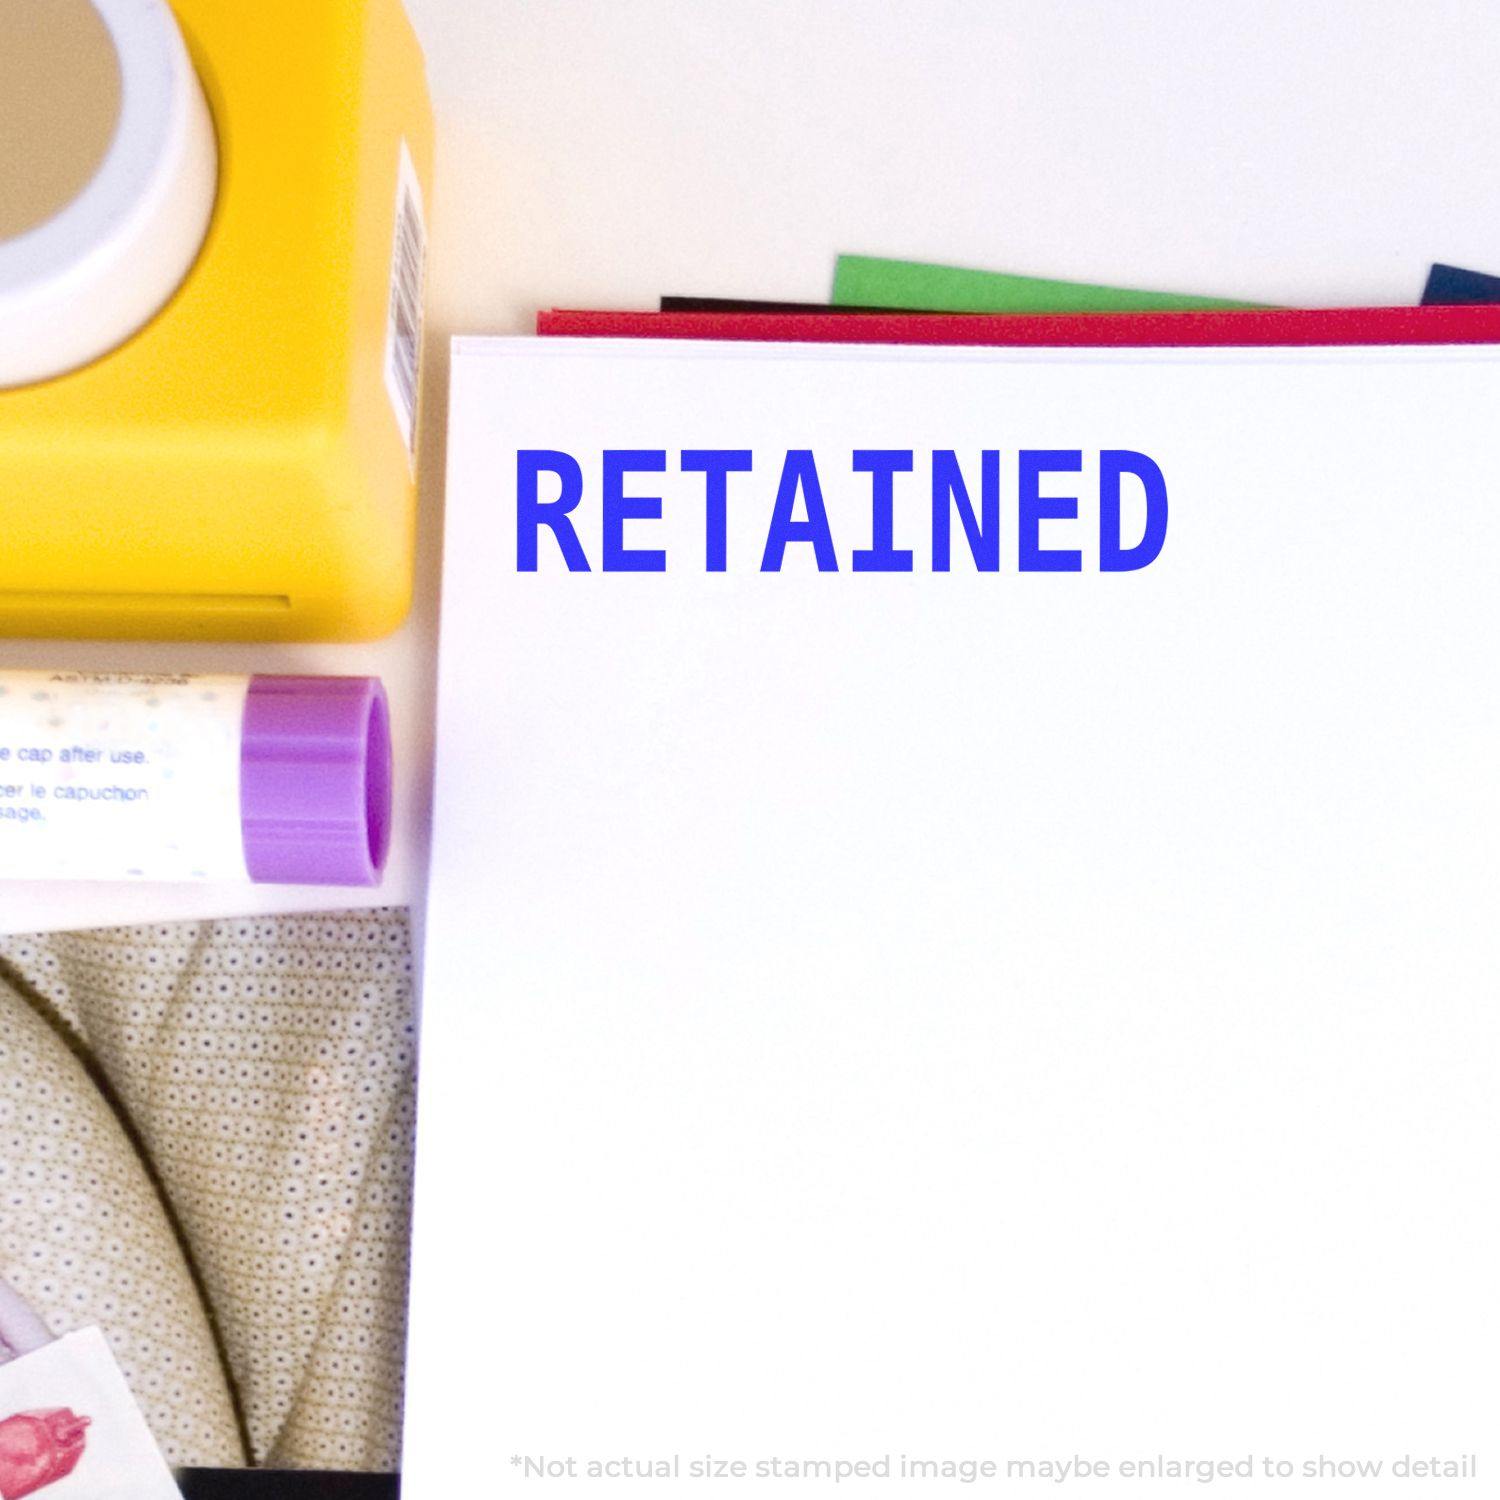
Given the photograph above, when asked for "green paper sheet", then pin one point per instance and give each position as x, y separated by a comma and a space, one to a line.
909, 285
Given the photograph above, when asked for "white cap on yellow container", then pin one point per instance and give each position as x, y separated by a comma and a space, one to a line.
108, 171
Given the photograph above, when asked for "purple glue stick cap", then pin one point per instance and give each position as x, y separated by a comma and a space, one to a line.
315, 780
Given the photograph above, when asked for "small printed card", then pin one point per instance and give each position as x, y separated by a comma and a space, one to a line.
70, 1429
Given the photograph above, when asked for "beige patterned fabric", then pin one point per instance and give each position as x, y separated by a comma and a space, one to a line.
84, 1237
262, 1073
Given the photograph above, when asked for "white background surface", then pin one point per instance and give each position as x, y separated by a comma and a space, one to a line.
997, 1016
603, 153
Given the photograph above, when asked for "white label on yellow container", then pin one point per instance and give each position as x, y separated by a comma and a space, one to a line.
403, 339
118, 776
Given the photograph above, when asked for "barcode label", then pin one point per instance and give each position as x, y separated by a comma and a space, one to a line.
403, 340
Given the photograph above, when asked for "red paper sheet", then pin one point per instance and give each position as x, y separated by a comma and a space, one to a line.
1268, 327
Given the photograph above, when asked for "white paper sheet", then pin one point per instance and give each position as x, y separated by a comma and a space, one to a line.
967, 1018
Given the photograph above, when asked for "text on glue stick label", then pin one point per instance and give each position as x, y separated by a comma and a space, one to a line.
115, 776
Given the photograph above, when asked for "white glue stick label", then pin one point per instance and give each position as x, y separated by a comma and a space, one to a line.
115, 776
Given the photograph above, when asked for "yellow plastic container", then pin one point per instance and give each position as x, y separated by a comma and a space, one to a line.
241, 469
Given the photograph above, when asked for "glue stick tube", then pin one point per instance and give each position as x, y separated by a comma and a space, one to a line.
124, 776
